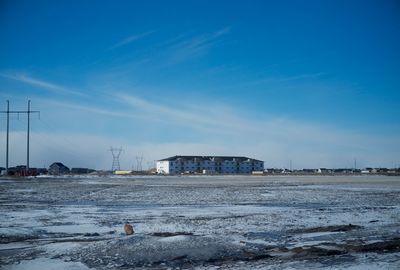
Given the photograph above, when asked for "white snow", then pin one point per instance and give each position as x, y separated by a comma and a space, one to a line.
173, 238
46, 264
234, 209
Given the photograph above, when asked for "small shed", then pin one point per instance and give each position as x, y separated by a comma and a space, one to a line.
57, 168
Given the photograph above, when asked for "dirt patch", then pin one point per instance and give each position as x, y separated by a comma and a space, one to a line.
378, 247
333, 249
6, 239
315, 251
333, 228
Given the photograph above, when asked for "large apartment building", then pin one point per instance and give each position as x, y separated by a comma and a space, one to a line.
209, 165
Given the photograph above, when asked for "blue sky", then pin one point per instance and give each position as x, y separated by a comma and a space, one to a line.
315, 82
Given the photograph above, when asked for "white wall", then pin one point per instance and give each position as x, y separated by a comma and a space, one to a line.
163, 167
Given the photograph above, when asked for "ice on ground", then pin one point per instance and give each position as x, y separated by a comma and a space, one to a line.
194, 220
174, 238
77, 228
54, 249
48, 264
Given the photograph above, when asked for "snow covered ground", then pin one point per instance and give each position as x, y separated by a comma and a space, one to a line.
201, 222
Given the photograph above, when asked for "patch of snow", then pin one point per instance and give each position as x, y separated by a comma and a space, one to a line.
76, 228
48, 264
174, 238
60, 248
318, 234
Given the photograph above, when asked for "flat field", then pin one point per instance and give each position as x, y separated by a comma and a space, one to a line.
200, 222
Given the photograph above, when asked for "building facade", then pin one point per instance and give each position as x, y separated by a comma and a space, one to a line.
209, 165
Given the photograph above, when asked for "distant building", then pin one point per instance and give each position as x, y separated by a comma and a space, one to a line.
19, 170
382, 170
209, 165
41, 171
81, 171
324, 170
343, 171
274, 171
57, 168
308, 171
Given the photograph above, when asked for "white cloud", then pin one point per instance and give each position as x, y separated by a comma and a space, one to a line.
78, 150
37, 83
276, 82
218, 129
167, 113
89, 108
218, 119
131, 39
195, 46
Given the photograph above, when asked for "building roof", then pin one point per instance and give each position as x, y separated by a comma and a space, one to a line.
58, 164
230, 158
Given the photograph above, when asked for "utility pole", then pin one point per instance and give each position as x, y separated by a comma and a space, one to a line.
28, 112
8, 131
27, 137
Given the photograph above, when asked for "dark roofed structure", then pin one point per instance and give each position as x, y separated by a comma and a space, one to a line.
81, 170
57, 168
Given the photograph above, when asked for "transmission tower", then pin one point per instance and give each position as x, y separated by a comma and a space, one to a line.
116, 152
139, 161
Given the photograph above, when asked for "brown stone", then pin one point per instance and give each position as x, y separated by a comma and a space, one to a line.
128, 229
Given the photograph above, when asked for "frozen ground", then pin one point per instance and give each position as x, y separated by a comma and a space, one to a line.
230, 222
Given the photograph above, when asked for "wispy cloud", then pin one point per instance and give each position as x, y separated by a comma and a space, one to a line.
278, 80
190, 115
37, 83
130, 39
274, 138
220, 130
196, 46
90, 109
220, 119
304, 76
